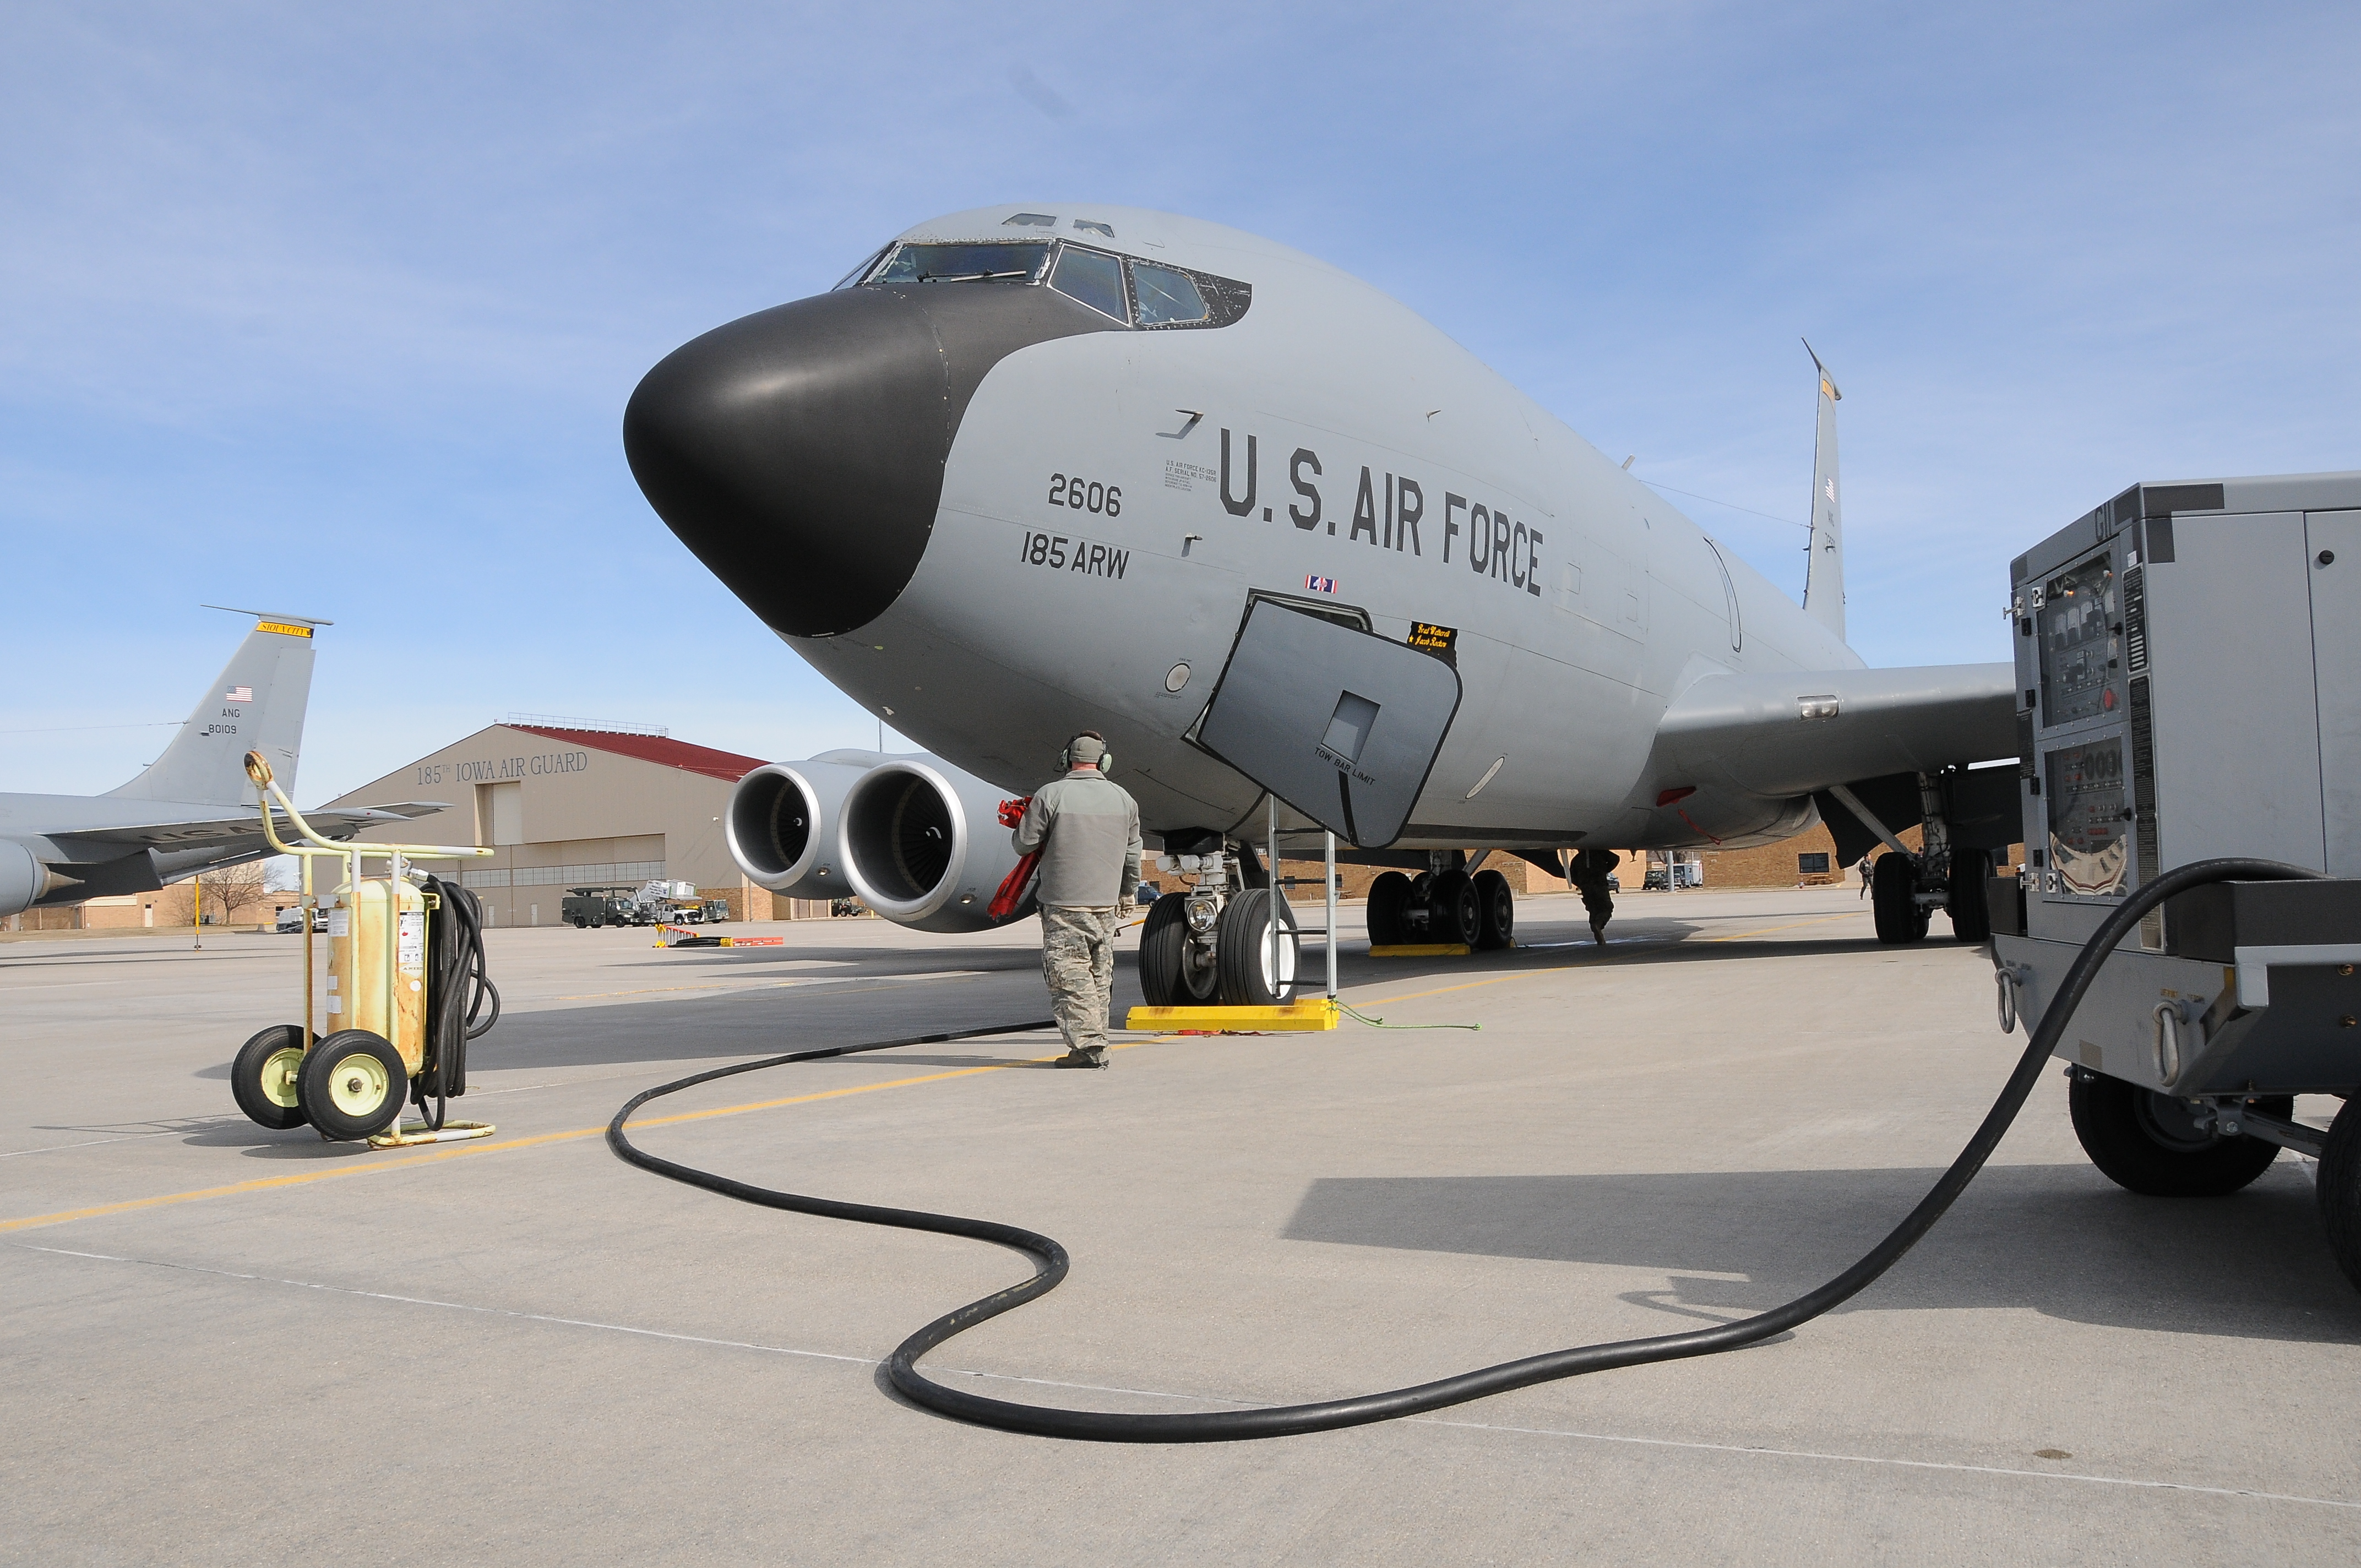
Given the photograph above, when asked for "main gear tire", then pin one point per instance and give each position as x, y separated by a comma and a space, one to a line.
1967, 904
1496, 911
1171, 974
1388, 903
1893, 899
353, 1085
1256, 963
262, 1077
2150, 1143
1458, 917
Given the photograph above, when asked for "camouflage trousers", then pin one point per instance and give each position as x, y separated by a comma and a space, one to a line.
1078, 960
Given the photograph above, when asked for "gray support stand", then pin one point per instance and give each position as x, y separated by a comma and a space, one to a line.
1277, 888
1330, 895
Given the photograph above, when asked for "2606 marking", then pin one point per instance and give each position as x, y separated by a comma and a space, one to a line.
1086, 495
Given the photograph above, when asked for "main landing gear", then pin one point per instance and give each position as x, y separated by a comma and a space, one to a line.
1905, 889
1444, 904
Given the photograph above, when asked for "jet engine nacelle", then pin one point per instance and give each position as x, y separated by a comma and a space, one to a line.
782, 823
23, 878
923, 845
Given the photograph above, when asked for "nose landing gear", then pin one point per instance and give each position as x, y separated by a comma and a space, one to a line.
1220, 942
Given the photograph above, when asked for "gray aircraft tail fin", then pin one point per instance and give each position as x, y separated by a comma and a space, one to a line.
256, 704
1824, 595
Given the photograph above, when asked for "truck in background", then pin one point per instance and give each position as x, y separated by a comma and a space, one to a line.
655, 902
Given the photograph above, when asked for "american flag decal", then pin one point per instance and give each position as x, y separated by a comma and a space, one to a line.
239, 693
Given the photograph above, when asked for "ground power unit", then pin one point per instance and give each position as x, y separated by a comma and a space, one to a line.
2188, 673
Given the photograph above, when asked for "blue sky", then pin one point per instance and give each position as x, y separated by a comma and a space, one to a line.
336, 310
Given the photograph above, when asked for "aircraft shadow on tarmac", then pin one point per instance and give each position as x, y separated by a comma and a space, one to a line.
2058, 1239
978, 986
752, 961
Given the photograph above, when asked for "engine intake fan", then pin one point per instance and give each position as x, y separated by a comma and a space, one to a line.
782, 827
921, 845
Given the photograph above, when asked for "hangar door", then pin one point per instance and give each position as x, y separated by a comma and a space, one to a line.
1340, 723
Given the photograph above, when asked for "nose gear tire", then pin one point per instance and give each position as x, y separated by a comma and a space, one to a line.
262, 1077
353, 1085
1170, 974
1248, 955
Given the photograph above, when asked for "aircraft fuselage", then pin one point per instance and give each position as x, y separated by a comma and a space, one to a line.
1111, 496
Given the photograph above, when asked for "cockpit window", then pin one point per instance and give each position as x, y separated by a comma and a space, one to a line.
1003, 261
1093, 278
1167, 297
1029, 221
858, 273
1154, 297
1087, 226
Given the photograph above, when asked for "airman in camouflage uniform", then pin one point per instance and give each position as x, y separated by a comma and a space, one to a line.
1087, 830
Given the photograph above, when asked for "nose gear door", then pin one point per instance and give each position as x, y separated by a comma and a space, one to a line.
1340, 724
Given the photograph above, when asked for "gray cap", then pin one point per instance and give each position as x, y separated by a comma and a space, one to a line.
1086, 751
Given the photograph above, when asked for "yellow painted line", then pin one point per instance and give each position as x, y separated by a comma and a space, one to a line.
762, 985
660, 990
1562, 969
459, 1151
1790, 926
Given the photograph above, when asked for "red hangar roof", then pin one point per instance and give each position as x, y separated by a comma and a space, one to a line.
727, 766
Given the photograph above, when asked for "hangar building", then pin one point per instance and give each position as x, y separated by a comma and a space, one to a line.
568, 806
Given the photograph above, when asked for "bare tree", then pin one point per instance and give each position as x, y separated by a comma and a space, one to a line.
233, 895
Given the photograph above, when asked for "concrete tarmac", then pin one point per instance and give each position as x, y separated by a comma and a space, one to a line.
223, 1344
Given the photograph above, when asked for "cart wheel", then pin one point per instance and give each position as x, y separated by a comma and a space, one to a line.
2340, 1190
1496, 909
353, 1085
262, 1077
2149, 1141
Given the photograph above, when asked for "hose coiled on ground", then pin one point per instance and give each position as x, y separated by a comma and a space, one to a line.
1051, 1262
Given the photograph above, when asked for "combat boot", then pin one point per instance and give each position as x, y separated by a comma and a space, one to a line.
1082, 1055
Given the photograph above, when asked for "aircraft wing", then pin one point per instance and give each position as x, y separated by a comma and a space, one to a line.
1794, 733
191, 835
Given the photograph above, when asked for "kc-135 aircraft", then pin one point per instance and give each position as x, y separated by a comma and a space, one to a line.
191, 810
1029, 469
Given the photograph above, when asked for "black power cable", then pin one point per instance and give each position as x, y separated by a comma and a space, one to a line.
456, 991
1051, 1261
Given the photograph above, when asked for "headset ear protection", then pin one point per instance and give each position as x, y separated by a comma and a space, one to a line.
1107, 758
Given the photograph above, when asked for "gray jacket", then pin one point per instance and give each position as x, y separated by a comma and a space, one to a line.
1087, 830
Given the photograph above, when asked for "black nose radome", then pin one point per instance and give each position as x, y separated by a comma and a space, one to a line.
799, 452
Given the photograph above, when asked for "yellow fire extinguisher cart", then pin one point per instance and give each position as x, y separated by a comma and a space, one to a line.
364, 1044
